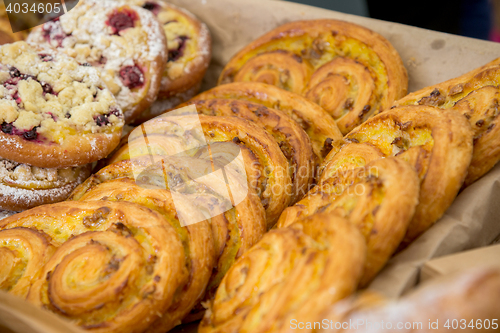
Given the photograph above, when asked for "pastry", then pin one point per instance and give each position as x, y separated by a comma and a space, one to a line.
291, 138
189, 54
467, 302
437, 143
23, 186
379, 199
265, 165
476, 96
56, 112
6, 34
347, 69
125, 42
293, 272
109, 272
321, 128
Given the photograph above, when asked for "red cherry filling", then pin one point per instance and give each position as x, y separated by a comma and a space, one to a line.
152, 7
53, 30
132, 76
121, 20
175, 54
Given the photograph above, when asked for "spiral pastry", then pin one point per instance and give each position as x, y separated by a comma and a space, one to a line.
437, 143
464, 298
347, 69
475, 95
292, 273
233, 231
111, 270
265, 165
291, 138
319, 126
379, 199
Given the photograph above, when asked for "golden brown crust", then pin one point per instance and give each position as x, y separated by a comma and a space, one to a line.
379, 199
467, 302
347, 69
292, 273
476, 96
319, 126
16, 197
437, 143
291, 138
126, 270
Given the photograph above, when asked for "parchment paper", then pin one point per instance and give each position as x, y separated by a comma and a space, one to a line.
430, 57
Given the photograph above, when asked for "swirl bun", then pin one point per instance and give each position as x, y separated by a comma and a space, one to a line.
292, 273
475, 95
347, 69
379, 199
319, 126
110, 271
437, 143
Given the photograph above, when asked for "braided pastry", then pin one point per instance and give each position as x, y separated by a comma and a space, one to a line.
291, 138
457, 301
265, 165
319, 126
379, 199
476, 95
347, 69
110, 271
293, 272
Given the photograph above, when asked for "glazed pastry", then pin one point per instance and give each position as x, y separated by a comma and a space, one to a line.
196, 238
321, 128
379, 199
265, 165
125, 42
292, 273
421, 136
23, 186
189, 54
56, 113
476, 95
291, 138
110, 271
347, 69
467, 302
234, 231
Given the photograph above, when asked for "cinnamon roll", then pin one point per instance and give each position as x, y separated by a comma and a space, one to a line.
347, 69
379, 199
115, 267
292, 273
437, 143
319, 126
476, 96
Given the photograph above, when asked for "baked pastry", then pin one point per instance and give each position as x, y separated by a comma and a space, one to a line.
347, 69
265, 165
56, 112
321, 129
291, 138
125, 42
189, 53
110, 271
234, 231
467, 302
379, 199
23, 186
6, 34
292, 273
475, 95
437, 143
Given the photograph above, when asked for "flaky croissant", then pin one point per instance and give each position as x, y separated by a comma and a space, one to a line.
347, 69
475, 95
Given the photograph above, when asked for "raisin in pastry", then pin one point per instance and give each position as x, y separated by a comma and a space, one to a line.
23, 186
55, 112
189, 53
125, 42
